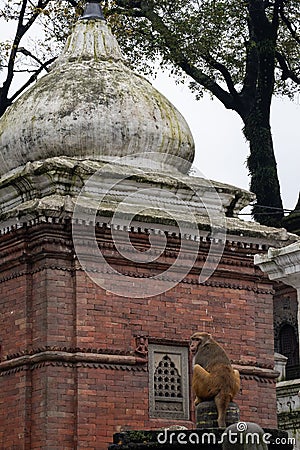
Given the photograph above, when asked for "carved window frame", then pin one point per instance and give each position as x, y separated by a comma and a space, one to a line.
171, 400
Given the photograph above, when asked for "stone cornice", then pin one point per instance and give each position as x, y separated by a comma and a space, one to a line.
66, 174
22, 252
48, 190
286, 388
256, 372
236, 230
103, 360
187, 280
54, 357
282, 264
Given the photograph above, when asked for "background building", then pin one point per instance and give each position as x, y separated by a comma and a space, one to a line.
283, 266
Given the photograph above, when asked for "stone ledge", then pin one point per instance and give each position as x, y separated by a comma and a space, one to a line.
72, 358
206, 439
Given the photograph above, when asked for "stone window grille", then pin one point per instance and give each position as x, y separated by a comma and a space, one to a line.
168, 382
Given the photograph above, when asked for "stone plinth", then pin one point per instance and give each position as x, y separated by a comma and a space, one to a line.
280, 365
206, 439
207, 415
288, 408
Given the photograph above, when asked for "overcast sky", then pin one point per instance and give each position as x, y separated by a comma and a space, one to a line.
221, 150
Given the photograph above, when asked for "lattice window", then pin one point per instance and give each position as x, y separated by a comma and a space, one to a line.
167, 381
168, 375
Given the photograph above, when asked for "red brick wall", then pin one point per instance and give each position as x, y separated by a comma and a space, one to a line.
51, 309
14, 410
53, 415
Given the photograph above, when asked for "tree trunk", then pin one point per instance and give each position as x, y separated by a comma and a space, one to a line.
263, 169
261, 162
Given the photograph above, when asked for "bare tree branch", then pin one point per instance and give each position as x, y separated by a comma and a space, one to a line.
26, 52
226, 75
21, 30
33, 78
286, 71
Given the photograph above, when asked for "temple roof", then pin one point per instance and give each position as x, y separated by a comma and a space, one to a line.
93, 106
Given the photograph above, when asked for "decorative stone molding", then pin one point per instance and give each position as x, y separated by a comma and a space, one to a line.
141, 346
288, 398
282, 264
110, 357
71, 350
117, 367
195, 281
280, 364
257, 372
288, 408
46, 190
66, 357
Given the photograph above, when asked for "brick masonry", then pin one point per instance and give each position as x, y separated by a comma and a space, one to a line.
70, 377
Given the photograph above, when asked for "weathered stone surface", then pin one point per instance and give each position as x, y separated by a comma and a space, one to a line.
206, 439
282, 264
288, 408
50, 188
250, 437
91, 105
280, 364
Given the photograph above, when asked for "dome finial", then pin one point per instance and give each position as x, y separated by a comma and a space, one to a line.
92, 11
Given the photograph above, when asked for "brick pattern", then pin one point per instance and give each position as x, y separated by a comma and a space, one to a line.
15, 408
53, 415
47, 302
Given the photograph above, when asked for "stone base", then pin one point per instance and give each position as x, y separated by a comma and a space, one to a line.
206, 439
207, 415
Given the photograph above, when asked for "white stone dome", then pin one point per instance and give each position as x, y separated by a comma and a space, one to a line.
92, 106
